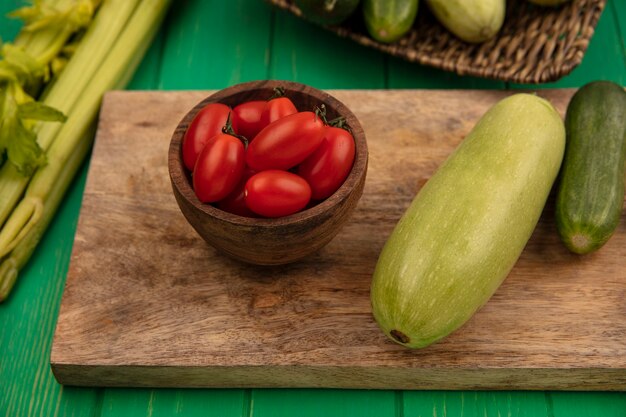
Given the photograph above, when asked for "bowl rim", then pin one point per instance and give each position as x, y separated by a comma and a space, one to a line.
178, 174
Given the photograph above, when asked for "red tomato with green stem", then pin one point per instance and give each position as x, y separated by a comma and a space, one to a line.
248, 117
328, 167
207, 123
219, 168
235, 202
276, 193
286, 142
278, 108
252, 116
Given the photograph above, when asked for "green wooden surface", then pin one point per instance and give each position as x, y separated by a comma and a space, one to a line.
212, 44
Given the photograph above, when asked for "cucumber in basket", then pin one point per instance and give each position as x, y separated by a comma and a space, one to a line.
591, 191
471, 20
327, 12
388, 21
468, 225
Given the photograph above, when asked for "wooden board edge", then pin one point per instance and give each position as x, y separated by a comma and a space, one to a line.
300, 376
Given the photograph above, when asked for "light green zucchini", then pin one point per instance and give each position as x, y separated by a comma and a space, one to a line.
473, 21
468, 225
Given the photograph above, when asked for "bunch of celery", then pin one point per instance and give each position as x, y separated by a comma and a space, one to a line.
52, 79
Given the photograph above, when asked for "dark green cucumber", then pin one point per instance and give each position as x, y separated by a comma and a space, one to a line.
389, 20
327, 12
591, 191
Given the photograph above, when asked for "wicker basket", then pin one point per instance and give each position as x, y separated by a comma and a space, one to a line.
535, 45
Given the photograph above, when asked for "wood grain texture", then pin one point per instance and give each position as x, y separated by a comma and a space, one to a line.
148, 303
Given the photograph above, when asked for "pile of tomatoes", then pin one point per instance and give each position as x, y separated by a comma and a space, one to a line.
264, 158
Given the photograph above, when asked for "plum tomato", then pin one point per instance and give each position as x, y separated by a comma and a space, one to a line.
328, 167
206, 124
235, 202
219, 168
249, 118
252, 116
276, 193
277, 108
286, 142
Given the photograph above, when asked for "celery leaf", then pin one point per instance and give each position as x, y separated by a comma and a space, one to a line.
22, 148
35, 110
24, 67
19, 142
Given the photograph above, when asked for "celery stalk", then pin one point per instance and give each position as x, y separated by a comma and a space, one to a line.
105, 29
10, 266
43, 45
132, 43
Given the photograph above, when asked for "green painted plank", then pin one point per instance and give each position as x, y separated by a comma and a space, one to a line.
306, 53
205, 403
475, 404
170, 403
327, 403
147, 75
27, 321
403, 74
214, 44
9, 27
619, 12
604, 59
128, 402
591, 404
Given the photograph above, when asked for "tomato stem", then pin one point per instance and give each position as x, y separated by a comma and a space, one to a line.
320, 111
228, 129
337, 122
341, 123
278, 92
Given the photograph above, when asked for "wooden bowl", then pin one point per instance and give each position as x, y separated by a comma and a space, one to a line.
282, 240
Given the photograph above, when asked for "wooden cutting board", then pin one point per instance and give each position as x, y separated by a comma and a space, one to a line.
148, 303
